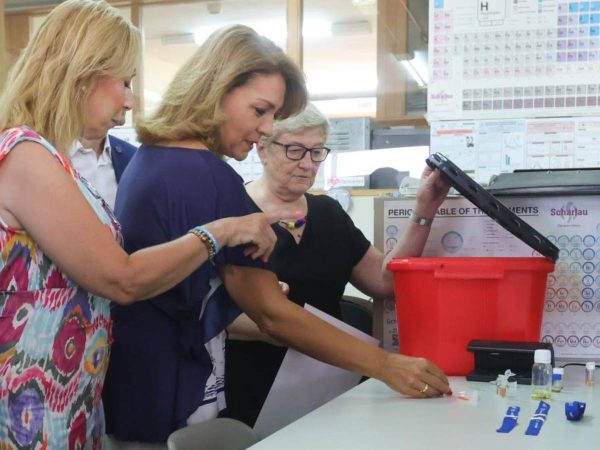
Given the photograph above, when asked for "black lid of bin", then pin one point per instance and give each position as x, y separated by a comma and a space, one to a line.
491, 206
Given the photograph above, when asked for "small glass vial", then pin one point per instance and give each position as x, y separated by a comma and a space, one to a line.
590, 368
501, 390
504, 385
541, 373
558, 374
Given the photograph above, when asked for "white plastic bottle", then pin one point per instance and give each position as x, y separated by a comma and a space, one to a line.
541, 372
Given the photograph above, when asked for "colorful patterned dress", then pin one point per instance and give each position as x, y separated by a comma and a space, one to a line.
54, 336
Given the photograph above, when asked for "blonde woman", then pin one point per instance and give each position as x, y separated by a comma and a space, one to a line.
60, 258
167, 364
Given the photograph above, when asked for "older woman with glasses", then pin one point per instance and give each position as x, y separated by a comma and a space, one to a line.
318, 251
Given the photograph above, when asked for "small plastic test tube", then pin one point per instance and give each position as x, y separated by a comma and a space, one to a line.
557, 379
590, 368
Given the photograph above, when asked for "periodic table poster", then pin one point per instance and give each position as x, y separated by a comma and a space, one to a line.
513, 59
571, 317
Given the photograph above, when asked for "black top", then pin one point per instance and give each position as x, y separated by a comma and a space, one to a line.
317, 270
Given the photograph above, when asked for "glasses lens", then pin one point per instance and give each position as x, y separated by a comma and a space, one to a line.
295, 151
319, 154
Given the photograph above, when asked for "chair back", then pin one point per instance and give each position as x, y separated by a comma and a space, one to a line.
215, 434
357, 312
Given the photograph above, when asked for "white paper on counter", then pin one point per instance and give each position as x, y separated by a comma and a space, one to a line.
303, 383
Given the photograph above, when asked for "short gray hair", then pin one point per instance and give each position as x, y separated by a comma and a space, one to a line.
309, 118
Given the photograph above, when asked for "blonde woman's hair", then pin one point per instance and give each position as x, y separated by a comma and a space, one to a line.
47, 89
230, 57
309, 118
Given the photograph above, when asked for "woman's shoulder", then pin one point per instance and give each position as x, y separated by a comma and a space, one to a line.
223, 171
183, 166
325, 208
185, 156
12, 136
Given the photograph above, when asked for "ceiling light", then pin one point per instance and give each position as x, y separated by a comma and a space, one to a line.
182, 38
214, 7
350, 27
274, 29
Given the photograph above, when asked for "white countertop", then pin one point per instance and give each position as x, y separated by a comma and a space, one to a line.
372, 416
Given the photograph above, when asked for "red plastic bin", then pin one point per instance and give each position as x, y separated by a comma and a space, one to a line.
443, 303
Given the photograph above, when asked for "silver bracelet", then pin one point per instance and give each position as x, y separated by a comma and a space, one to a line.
424, 222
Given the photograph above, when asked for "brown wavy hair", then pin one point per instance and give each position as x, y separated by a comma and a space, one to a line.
191, 107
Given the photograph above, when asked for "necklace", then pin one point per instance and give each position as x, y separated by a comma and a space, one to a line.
295, 227
293, 224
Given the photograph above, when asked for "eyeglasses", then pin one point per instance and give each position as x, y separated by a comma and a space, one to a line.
296, 152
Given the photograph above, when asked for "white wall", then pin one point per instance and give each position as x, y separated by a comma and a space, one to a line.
363, 215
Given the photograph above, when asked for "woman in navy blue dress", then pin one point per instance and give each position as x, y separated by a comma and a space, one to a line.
167, 367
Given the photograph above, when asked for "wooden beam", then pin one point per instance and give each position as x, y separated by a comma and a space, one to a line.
392, 26
413, 120
3, 59
295, 15
138, 82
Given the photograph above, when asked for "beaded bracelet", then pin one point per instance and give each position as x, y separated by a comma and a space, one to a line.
207, 239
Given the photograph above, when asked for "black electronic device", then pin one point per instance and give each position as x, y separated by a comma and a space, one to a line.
545, 182
491, 206
495, 357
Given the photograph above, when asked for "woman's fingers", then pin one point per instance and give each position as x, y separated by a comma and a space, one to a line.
416, 377
253, 229
255, 252
435, 386
438, 373
260, 236
427, 386
432, 191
